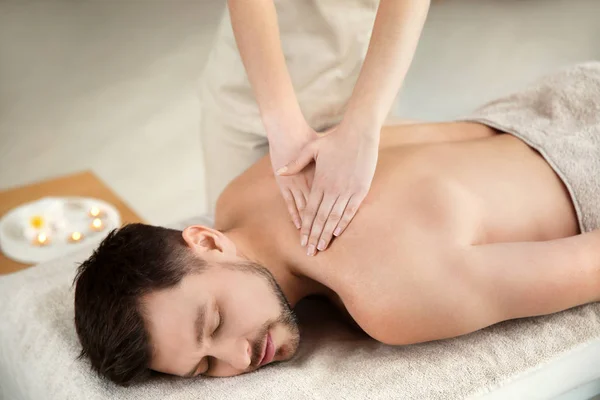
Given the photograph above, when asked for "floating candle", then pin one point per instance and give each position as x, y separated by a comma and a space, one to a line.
75, 237
41, 239
95, 212
97, 225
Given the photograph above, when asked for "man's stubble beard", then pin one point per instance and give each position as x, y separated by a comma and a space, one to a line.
287, 317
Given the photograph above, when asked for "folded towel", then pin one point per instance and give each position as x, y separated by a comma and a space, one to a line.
560, 118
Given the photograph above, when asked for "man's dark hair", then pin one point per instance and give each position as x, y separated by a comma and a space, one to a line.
129, 263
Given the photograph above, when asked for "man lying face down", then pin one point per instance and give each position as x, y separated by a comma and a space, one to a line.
464, 226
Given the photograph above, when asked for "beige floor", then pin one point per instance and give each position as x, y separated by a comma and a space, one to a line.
109, 85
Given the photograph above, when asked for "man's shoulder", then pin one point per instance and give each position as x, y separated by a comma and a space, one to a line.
246, 193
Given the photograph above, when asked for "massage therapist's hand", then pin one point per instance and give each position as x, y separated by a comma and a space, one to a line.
345, 159
295, 189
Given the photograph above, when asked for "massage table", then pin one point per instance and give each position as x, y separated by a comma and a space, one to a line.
549, 357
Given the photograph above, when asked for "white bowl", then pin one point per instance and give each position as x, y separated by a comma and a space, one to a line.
62, 216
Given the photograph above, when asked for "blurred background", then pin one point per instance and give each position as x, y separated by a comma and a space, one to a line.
110, 85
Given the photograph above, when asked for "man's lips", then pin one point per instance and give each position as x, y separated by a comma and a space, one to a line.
268, 352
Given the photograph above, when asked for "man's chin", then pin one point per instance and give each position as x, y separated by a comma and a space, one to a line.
286, 339
287, 350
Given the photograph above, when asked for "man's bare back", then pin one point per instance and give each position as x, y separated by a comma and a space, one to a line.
413, 265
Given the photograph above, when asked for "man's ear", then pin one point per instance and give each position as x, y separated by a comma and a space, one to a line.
203, 239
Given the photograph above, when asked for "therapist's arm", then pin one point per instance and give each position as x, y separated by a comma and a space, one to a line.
256, 33
394, 40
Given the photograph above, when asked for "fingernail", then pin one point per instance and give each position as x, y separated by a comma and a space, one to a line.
297, 224
311, 250
304, 240
321, 245
281, 170
337, 232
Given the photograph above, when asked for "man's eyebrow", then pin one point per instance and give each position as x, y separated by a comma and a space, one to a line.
199, 326
192, 372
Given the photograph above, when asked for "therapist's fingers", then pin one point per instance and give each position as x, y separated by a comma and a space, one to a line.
306, 156
300, 202
290, 202
319, 222
332, 222
349, 213
312, 207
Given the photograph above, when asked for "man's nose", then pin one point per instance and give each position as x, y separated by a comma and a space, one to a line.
235, 352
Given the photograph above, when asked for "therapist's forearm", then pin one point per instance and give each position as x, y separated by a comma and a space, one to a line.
396, 32
257, 36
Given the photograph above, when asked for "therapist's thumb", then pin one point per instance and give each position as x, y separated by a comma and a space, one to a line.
297, 165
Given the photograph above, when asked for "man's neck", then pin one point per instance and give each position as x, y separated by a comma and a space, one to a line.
287, 271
